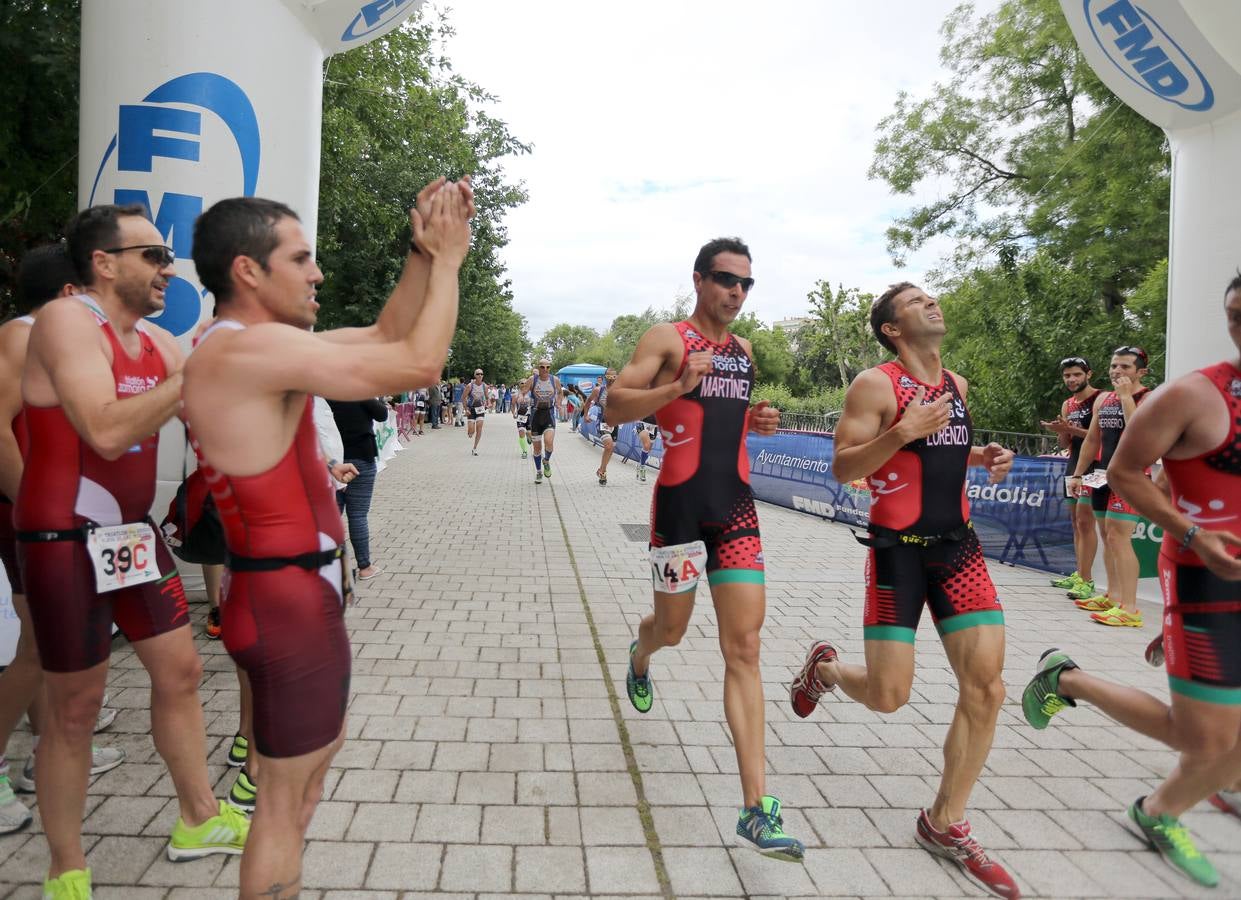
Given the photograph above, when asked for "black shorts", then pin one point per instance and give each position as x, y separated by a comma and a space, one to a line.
950, 577
723, 517
1201, 633
541, 420
1099, 498
473, 412
8, 546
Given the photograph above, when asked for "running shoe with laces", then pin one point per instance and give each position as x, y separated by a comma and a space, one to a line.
1227, 801
213, 623
1154, 651
1100, 603
71, 885
538, 476
1067, 582
1118, 618
958, 845
238, 751
102, 759
806, 689
641, 689
222, 833
107, 715
761, 828
1167, 835
603, 477
14, 816
244, 793
1083, 590
1041, 698
547, 468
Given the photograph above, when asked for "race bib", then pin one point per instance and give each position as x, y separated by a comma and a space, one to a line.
676, 569
521, 420
1096, 479
123, 555
479, 410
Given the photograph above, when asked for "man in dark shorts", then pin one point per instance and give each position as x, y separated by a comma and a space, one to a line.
1071, 426
1194, 425
648, 430
1114, 408
98, 383
695, 377
545, 400
906, 429
248, 387
608, 430
475, 400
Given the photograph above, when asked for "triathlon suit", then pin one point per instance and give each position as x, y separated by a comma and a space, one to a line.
66, 488
475, 399
1202, 612
282, 607
1079, 413
923, 548
1104, 500
703, 490
8, 537
192, 526
542, 412
523, 412
606, 431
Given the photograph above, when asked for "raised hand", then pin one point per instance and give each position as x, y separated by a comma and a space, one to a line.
1124, 386
764, 418
1060, 425
998, 461
1217, 550
923, 419
697, 365
443, 230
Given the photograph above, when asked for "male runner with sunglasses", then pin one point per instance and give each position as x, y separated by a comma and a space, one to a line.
1076, 414
695, 377
98, 384
1192, 424
475, 400
248, 389
1119, 606
907, 430
546, 399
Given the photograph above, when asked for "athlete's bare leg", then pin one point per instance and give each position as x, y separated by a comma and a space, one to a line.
977, 657
177, 719
21, 680
1124, 590
477, 432
549, 439
1109, 561
664, 627
883, 684
271, 865
740, 609
1085, 540
608, 446
62, 766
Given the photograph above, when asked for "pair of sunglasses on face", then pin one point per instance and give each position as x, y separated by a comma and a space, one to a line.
728, 280
156, 254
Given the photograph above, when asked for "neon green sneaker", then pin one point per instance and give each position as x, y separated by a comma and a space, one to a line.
641, 689
1067, 582
238, 752
223, 833
244, 792
547, 468
71, 885
1167, 835
1041, 699
1083, 590
761, 828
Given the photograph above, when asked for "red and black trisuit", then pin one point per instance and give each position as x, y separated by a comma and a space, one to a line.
1079, 414
1103, 500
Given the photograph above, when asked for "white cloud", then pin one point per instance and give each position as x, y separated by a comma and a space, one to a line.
659, 125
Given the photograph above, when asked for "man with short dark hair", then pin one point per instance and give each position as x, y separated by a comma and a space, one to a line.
98, 383
248, 390
907, 430
607, 430
696, 377
1076, 414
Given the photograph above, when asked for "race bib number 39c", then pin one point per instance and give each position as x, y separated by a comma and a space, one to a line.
123, 555
676, 569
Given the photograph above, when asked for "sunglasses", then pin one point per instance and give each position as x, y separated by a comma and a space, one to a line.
1075, 361
1132, 351
476, 374
156, 254
729, 280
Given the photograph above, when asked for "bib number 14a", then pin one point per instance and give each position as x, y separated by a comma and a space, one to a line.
677, 569
122, 555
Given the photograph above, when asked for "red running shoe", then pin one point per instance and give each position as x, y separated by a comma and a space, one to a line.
213, 623
958, 845
807, 688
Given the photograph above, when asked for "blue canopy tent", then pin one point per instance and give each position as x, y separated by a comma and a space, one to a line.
581, 375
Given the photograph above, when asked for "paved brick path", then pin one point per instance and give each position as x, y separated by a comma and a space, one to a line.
485, 754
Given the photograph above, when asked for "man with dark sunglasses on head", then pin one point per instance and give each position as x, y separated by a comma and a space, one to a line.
99, 382
546, 399
696, 377
1119, 605
1076, 414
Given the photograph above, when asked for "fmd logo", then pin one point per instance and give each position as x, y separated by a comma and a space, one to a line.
165, 140
372, 17
1147, 55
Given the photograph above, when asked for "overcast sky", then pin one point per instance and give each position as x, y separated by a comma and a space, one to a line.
659, 125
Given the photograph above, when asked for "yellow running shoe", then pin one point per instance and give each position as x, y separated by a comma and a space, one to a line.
223, 833
71, 885
1118, 617
1095, 604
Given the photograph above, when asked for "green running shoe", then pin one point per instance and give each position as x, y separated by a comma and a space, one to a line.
1084, 590
1167, 835
761, 828
223, 833
1041, 699
641, 689
547, 468
238, 752
244, 792
71, 885
1067, 582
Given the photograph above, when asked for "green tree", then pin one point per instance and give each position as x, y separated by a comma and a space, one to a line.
837, 343
564, 344
773, 357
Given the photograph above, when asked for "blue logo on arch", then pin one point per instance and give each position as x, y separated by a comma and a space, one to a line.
150, 130
373, 16
1147, 55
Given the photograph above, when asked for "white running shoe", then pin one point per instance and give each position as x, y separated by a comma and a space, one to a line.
14, 816
102, 759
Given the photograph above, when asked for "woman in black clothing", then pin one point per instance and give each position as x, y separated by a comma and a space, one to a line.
356, 421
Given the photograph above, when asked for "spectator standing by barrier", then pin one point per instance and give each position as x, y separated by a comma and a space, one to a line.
435, 399
508, 397
458, 411
355, 419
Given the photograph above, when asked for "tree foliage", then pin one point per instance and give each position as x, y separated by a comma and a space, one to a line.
837, 344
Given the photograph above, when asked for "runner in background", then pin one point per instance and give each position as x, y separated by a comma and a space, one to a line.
475, 398
521, 415
607, 430
648, 430
545, 401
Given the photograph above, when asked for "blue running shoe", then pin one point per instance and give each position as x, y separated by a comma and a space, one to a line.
761, 828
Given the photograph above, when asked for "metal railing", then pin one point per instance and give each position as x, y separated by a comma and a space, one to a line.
809, 421
1020, 443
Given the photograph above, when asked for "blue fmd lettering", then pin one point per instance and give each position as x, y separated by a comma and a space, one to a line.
370, 17
174, 219
1138, 44
138, 144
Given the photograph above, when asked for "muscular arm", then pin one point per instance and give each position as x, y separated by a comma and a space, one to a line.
12, 359
862, 446
64, 343
632, 395
1090, 448
400, 312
